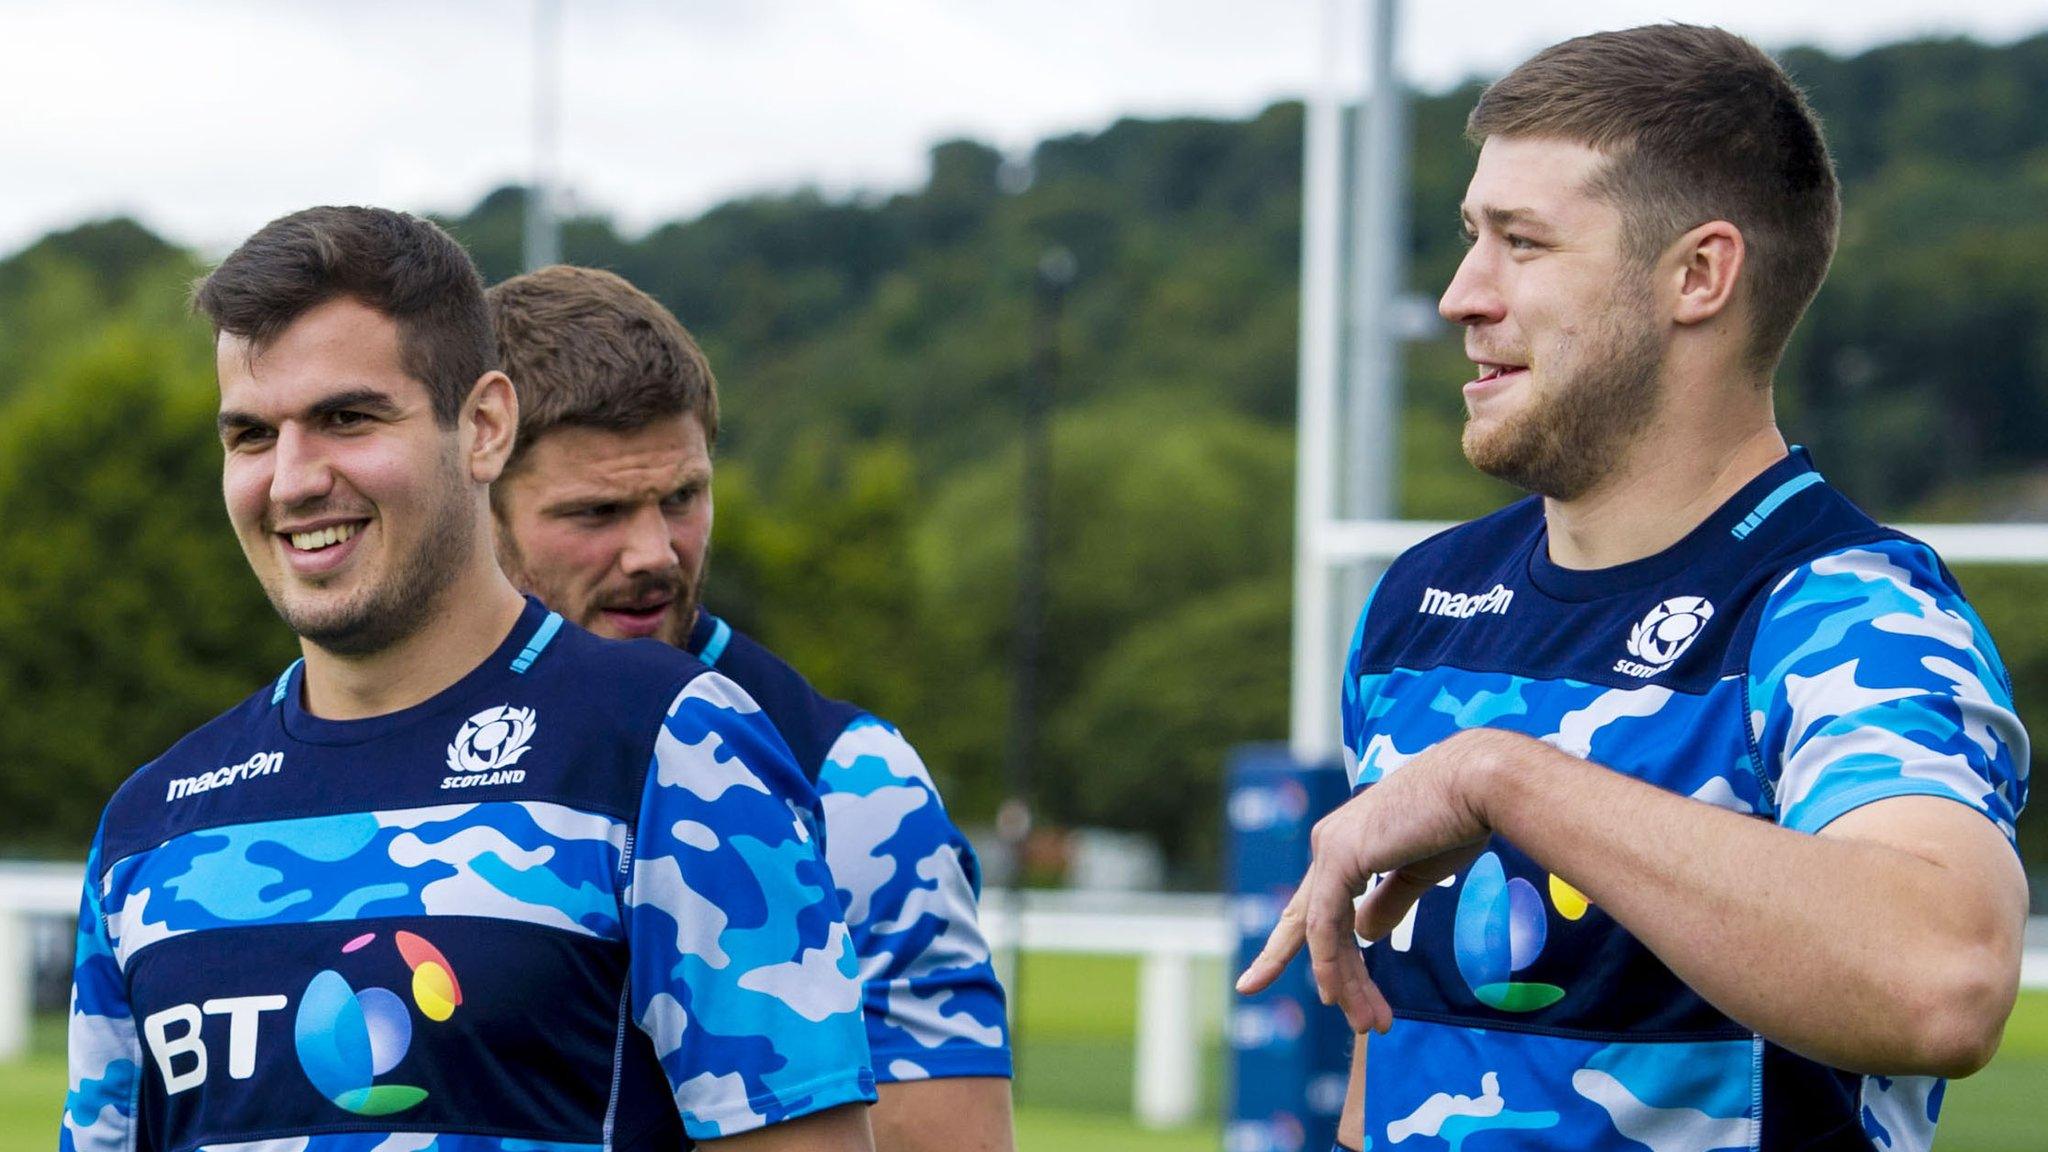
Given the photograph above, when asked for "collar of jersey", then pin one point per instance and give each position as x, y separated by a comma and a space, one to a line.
496, 669
709, 637
1715, 535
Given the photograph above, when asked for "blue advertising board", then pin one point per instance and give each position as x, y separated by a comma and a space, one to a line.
1288, 1054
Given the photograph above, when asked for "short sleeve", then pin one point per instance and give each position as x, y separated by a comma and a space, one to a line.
1355, 706
743, 973
1870, 677
910, 882
105, 1051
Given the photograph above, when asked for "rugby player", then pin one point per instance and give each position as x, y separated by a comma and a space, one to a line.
604, 512
1689, 790
466, 877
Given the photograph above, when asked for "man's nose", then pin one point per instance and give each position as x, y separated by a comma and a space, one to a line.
300, 472
1473, 296
649, 546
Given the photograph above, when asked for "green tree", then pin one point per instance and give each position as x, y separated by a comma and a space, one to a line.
130, 616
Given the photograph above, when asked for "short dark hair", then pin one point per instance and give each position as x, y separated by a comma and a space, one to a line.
400, 265
1699, 124
585, 348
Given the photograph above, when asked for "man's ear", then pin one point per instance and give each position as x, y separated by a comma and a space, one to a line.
1709, 262
490, 426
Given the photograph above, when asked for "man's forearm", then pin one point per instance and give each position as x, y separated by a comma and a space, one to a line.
1867, 955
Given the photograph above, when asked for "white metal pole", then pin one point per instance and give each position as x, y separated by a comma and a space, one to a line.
1167, 1075
543, 245
17, 987
1378, 265
1313, 693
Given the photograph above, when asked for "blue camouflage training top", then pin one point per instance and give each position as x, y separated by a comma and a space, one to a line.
1789, 660
573, 902
907, 878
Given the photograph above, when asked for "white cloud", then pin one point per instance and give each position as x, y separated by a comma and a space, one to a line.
208, 119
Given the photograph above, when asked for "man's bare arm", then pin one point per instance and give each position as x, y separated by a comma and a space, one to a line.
957, 1114
841, 1129
1889, 943
1351, 1122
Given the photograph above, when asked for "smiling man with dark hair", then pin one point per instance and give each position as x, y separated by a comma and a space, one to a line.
466, 876
1701, 837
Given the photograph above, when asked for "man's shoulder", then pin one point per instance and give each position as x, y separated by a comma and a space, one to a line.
210, 756
810, 722
627, 661
631, 682
1871, 592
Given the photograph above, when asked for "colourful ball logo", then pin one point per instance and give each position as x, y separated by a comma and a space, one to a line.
1500, 930
346, 1039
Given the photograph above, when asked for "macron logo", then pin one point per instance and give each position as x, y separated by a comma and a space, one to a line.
1465, 605
261, 764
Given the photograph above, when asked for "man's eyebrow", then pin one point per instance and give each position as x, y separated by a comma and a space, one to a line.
228, 422
1510, 217
368, 400
358, 400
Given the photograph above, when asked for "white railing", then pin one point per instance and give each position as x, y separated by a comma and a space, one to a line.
27, 891
1168, 934
1359, 541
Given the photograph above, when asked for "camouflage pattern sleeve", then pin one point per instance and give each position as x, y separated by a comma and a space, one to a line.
105, 1049
743, 973
909, 882
1870, 677
1355, 702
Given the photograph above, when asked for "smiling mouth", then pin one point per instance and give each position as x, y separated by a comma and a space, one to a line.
321, 539
1496, 371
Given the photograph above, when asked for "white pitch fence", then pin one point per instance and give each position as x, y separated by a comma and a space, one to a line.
1168, 934
27, 892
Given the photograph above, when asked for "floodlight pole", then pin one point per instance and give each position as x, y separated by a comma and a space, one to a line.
1050, 281
1353, 263
543, 241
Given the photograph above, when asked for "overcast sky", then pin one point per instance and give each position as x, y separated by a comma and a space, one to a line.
206, 118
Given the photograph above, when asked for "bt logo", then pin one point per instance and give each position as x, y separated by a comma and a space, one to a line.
344, 1039
1500, 929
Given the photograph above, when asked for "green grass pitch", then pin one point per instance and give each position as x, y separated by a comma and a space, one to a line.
1074, 1084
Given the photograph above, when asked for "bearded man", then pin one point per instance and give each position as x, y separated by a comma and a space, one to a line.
1698, 833
467, 876
605, 514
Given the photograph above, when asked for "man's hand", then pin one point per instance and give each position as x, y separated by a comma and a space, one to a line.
1416, 826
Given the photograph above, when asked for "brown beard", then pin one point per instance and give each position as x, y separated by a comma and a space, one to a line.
675, 626
380, 617
1566, 443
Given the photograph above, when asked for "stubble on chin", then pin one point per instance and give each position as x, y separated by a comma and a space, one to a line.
1563, 444
411, 591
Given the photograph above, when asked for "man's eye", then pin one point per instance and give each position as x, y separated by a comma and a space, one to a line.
1467, 237
682, 499
1521, 243
346, 419
249, 437
596, 512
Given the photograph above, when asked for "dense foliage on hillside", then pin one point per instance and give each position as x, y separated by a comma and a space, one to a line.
870, 351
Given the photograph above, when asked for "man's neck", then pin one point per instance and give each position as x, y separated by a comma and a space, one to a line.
1666, 487
474, 615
